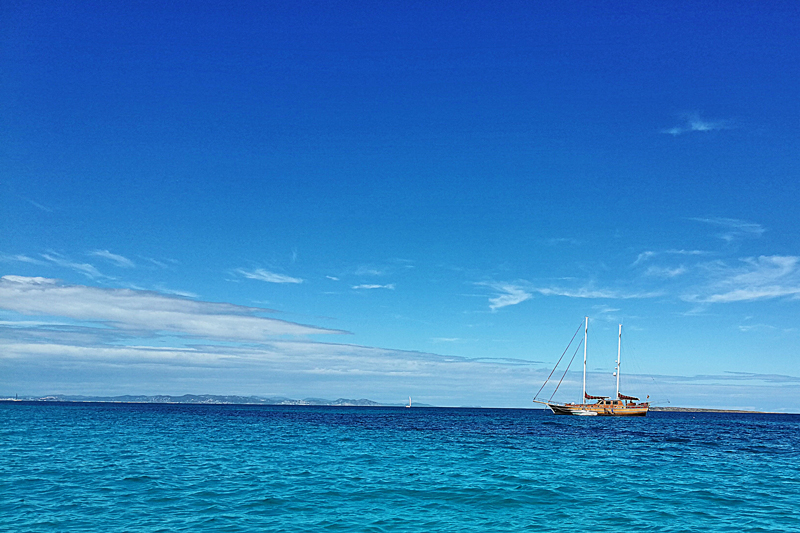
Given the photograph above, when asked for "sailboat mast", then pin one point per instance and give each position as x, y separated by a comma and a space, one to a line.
585, 335
619, 349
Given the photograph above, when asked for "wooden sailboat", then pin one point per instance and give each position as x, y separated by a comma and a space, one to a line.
621, 405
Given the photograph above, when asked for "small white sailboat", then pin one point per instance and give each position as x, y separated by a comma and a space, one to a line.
409, 403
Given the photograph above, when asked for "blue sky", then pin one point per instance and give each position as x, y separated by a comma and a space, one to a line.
380, 199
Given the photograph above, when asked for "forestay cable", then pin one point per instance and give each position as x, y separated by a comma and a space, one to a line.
565, 371
559, 361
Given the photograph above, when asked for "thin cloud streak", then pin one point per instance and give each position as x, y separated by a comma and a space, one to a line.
647, 255
368, 270
368, 286
264, 275
184, 294
736, 228
84, 268
516, 293
21, 259
693, 122
114, 258
661, 272
37, 205
156, 262
597, 293
756, 327
746, 295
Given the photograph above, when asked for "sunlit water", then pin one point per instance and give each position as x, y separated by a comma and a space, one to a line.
126, 467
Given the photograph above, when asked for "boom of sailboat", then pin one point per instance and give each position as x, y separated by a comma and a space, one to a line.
621, 405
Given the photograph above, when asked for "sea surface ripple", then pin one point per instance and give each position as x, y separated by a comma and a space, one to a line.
148, 467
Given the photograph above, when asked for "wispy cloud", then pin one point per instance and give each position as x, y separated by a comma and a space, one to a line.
515, 293
86, 269
754, 278
510, 294
756, 327
29, 281
647, 255
604, 309
693, 122
596, 293
369, 270
389, 286
733, 228
750, 294
177, 292
264, 275
665, 272
20, 258
159, 264
118, 260
143, 310
644, 256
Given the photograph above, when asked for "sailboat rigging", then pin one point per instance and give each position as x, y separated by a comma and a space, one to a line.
622, 405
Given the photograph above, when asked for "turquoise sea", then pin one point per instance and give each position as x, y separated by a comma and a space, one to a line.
147, 467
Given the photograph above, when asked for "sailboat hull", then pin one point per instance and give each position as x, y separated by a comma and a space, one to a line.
599, 409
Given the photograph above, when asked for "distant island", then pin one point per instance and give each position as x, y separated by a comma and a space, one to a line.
210, 399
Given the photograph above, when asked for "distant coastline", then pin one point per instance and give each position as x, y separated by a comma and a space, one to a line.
213, 399
704, 410
209, 399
